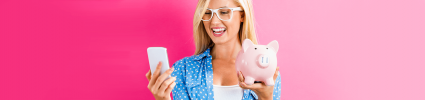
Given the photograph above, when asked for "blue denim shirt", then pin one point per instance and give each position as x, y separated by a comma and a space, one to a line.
194, 80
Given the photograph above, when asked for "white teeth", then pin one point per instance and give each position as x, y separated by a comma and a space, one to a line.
221, 29
216, 30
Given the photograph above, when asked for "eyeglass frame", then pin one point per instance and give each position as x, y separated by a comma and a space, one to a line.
215, 11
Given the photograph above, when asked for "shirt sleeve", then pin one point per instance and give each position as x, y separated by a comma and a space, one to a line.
180, 91
276, 90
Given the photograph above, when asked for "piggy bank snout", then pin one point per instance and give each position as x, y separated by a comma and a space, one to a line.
263, 61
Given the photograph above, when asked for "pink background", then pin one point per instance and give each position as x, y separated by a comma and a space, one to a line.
96, 49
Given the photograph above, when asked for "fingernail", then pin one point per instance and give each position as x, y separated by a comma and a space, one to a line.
172, 68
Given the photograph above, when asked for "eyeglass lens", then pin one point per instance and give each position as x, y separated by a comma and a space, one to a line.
224, 14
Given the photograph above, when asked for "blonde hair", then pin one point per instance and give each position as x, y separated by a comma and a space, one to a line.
201, 38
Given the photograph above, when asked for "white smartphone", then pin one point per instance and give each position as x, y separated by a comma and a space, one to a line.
157, 54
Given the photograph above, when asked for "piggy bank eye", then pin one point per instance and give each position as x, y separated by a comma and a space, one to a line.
267, 48
255, 48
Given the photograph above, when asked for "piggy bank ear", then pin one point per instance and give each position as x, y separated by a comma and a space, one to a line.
274, 45
246, 44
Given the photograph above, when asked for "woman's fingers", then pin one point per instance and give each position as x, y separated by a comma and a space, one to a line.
252, 87
170, 88
166, 84
148, 75
161, 78
240, 76
276, 73
154, 76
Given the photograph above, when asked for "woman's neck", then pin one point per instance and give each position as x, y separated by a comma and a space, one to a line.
227, 51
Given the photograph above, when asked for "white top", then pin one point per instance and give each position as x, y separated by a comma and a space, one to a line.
233, 92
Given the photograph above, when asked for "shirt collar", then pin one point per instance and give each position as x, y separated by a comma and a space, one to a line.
206, 53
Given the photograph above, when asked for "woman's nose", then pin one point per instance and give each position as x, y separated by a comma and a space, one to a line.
215, 19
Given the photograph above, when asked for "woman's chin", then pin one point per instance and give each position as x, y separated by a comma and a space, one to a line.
218, 39
221, 40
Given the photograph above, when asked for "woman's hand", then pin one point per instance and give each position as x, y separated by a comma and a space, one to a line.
263, 91
159, 88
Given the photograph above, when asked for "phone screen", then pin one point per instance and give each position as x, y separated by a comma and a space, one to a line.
155, 55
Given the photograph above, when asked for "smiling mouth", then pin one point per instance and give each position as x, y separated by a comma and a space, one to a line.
219, 30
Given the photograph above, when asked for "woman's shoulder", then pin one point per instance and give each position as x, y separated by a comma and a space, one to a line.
193, 60
181, 62
188, 60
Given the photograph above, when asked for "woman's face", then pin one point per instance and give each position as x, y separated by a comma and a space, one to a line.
223, 31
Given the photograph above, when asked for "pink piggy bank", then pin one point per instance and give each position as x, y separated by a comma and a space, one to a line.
257, 62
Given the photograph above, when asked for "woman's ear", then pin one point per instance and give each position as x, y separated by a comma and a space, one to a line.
242, 16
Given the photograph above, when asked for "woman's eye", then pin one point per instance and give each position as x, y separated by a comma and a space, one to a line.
224, 12
207, 13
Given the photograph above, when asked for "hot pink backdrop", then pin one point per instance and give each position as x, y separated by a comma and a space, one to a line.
96, 49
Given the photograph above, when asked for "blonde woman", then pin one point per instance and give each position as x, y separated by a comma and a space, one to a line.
220, 26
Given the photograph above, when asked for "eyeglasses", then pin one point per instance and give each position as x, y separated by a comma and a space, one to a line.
224, 14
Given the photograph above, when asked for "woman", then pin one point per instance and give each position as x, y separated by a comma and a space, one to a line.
220, 26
